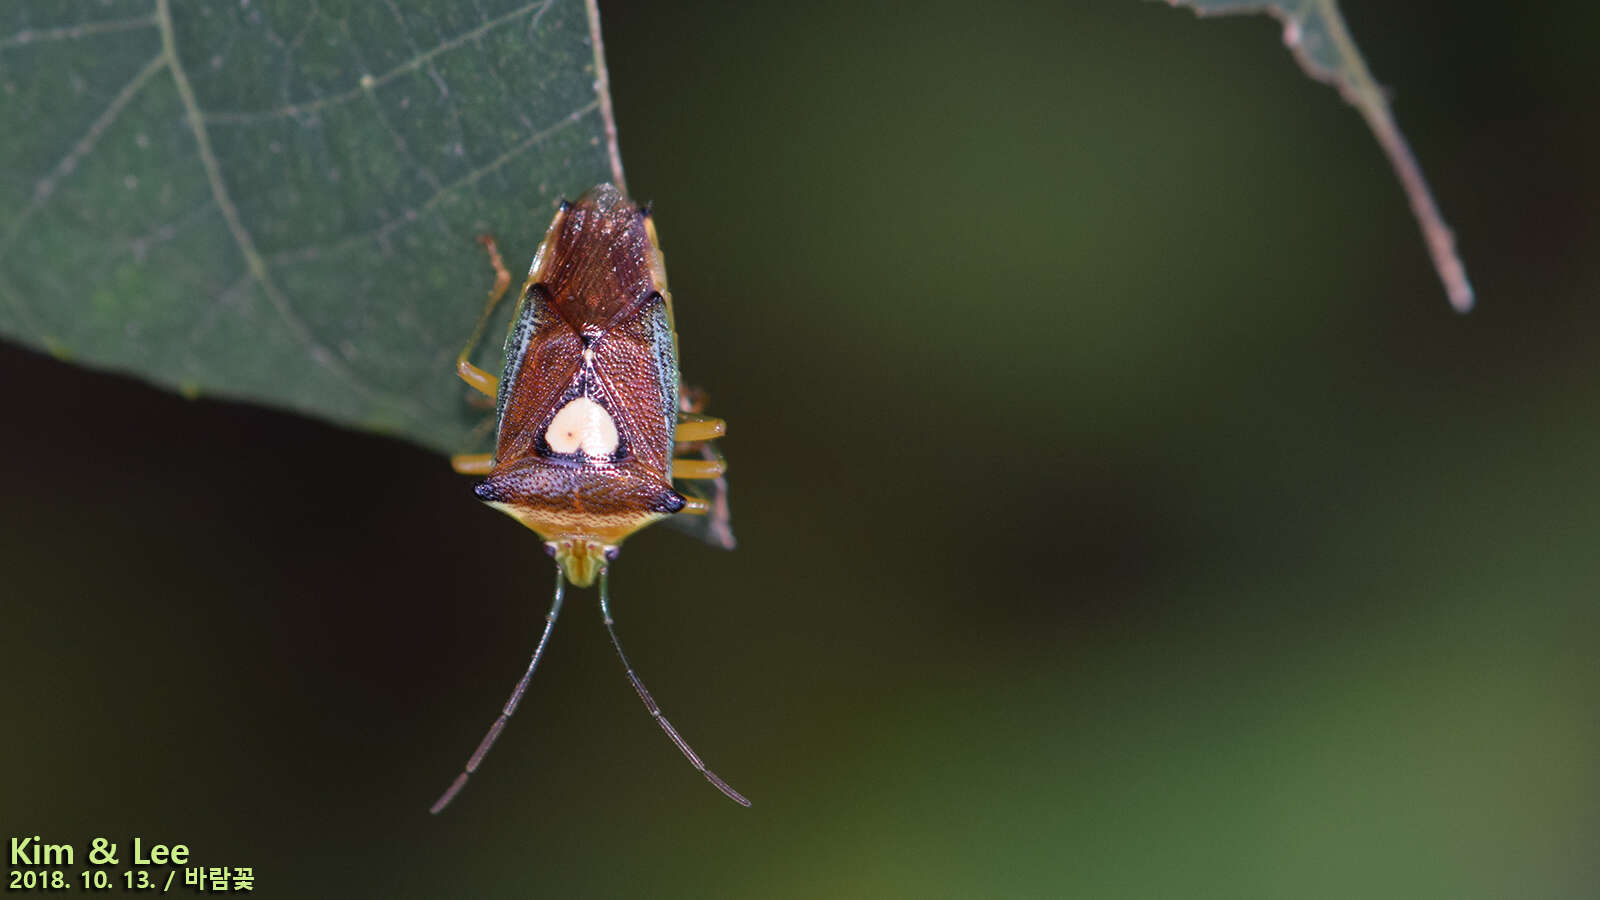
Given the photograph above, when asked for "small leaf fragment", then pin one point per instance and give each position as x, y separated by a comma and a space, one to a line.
1314, 31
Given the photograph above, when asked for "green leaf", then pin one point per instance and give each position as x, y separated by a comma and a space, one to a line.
277, 201
1315, 32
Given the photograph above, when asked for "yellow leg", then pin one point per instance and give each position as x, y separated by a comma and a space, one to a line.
699, 428
477, 378
698, 468
701, 478
472, 463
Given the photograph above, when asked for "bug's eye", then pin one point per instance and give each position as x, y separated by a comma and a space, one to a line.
611, 553
550, 550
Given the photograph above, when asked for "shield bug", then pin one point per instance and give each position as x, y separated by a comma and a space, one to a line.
591, 418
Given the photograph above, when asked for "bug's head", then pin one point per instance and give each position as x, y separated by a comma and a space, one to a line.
581, 559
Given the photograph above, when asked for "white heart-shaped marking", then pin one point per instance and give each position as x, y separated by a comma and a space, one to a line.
582, 424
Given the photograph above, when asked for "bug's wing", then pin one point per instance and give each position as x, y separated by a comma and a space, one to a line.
601, 267
544, 357
715, 527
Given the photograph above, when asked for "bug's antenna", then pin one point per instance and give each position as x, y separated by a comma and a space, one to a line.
655, 711
511, 703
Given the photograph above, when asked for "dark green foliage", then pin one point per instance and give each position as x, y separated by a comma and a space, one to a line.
277, 201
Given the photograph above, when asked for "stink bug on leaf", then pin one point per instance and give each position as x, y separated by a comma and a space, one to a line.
590, 413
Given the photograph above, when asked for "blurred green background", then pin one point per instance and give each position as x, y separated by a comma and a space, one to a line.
1124, 512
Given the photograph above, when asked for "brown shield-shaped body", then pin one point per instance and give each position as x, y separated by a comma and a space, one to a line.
589, 397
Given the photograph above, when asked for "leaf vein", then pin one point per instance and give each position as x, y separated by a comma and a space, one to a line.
383, 119
382, 232
243, 117
88, 29
257, 266
47, 185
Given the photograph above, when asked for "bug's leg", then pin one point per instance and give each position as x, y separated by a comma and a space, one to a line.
472, 463
511, 703
655, 711
698, 468
476, 378
693, 428
709, 497
701, 463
